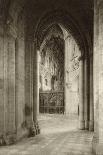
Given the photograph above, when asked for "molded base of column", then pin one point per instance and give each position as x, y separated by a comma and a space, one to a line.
86, 124
34, 130
11, 138
8, 139
91, 125
81, 125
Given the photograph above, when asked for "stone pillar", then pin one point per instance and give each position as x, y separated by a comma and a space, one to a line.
98, 78
38, 61
42, 83
28, 83
86, 87
67, 83
7, 86
20, 86
3, 81
81, 96
11, 84
91, 118
66, 94
36, 89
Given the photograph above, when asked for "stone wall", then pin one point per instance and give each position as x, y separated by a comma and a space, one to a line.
72, 53
7, 55
98, 78
16, 81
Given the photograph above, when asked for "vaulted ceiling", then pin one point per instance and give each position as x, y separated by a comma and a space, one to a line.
80, 11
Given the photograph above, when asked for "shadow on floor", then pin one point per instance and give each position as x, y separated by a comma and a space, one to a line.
59, 136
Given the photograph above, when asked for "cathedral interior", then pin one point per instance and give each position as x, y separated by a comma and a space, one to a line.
51, 77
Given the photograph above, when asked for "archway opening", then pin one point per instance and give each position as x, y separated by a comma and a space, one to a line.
59, 78
51, 71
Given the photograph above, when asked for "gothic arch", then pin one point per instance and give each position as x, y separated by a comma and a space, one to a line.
85, 44
67, 21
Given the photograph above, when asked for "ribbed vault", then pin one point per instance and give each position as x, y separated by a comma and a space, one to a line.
75, 16
63, 18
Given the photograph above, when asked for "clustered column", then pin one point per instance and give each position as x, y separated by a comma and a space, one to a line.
86, 96
36, 90
81, 96
91, 122
86, 109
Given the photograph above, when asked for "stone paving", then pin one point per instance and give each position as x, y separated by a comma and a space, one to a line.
59, 136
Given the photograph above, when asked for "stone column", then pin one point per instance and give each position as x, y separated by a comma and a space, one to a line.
98, 78
65, 76
81, 96
29, 84
42, 83
38, 61
67, 83
36, 89
86, 87
3, 81
91, 122
11, 84
20, 86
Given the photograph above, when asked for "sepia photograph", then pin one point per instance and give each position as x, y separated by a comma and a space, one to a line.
51, 77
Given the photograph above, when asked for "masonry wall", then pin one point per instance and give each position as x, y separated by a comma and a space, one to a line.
98, 77
2, 118
7, 78
72, 53
20, 77
15, 74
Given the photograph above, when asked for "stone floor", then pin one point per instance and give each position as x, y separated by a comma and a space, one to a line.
59, 136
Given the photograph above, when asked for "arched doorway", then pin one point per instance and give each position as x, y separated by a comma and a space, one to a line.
19, 65
82, 59
51, 69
